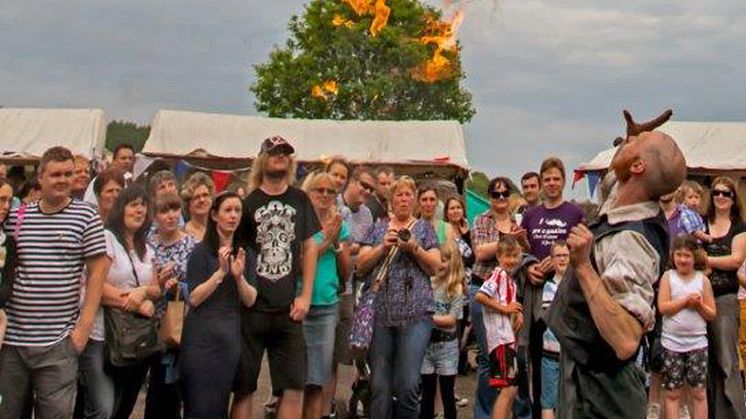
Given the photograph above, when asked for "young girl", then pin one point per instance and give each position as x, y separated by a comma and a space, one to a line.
686, 302
440, 364
502, 318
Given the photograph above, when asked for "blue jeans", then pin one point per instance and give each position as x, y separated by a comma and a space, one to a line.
396, 355
485, 396
94, 383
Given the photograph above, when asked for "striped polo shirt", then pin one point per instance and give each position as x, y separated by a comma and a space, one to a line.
52, 250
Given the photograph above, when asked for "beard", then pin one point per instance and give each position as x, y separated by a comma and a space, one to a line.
275, 174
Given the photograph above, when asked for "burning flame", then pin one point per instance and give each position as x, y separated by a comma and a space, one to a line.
443, 35
360, 7
377, 8
381, 18
322, 91
340, 20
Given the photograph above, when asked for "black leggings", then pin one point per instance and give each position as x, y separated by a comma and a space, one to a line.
127, 384
447, 396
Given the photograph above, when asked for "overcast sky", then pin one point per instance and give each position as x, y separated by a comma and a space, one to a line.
548, 77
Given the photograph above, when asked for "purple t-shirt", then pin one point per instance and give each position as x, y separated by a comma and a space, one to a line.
673, 224
545, 226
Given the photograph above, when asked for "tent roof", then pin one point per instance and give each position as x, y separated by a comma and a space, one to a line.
709, 147
182, 133
26, 133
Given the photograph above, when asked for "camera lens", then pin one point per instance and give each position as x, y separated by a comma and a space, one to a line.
404, 235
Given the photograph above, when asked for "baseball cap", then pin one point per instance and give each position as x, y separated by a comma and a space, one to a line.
274, 143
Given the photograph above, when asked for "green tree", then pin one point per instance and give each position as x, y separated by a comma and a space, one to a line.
126, 132
372, 77
478, 182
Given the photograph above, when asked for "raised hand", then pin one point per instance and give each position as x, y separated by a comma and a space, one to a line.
238, 263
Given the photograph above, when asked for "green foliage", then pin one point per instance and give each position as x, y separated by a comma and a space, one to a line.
373, 73
126, 132
478, 183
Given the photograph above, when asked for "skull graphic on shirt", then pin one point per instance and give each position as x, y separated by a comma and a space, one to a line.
274, 235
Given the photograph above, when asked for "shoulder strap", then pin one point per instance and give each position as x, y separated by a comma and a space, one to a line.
132, 264
19, 221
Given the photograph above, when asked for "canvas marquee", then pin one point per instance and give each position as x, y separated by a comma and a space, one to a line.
437, 146
26, 133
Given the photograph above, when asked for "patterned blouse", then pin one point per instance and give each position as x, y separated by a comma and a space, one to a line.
407, 296
177, 253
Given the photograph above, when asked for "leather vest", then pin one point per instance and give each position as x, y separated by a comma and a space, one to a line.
569, 316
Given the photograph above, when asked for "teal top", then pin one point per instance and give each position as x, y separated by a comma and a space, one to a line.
441, 231
326, 283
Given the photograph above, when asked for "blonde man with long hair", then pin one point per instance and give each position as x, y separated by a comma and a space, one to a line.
277, 226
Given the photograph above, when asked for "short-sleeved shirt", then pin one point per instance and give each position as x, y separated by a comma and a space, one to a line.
128, 270
545, 226
274, 227
52, 250
176, 253
550, 342
407, 295
690, 221
673, 224
484, 231
326, 283
498, 327
360, 223
448, 304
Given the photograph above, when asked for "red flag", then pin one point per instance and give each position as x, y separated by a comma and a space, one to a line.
220, 179
577, 176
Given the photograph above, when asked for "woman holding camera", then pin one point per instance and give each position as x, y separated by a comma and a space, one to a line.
404, 304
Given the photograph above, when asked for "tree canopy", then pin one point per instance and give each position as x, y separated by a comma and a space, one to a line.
126, 132
366, 59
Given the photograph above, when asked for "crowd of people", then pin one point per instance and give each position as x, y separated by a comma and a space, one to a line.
365, 267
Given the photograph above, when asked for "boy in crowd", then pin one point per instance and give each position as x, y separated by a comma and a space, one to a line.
691, 222
502, 318
560, 255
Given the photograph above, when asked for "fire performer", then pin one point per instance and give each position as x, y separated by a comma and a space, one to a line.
604, 305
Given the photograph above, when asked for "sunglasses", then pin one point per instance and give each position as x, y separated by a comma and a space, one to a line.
499, 195
278, 151
367, 186
725, 194
326, 191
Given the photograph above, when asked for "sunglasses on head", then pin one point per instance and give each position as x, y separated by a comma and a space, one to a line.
725, 194
326, 191
498, 195
367, 186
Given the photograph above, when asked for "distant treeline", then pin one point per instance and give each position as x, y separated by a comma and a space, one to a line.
126, 132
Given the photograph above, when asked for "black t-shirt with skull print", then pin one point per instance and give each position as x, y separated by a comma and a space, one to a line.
274, 227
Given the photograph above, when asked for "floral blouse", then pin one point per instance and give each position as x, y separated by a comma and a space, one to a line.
177, 253
407, 296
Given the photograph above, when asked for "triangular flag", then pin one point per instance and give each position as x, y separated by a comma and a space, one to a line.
220, 179
577, 176
593, 178
181, 168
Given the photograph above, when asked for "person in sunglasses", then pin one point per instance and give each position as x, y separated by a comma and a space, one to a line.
725, 253
488, 227
278, 225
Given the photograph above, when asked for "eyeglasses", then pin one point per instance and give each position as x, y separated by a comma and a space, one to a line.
725, 194
499, 195
326, 191
367, 186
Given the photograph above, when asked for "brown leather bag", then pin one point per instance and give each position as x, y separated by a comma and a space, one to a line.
173, 321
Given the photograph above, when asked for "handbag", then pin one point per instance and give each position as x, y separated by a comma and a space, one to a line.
130, 337
172, 322
361, 332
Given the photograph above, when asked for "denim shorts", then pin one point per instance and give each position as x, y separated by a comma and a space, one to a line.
441, 358
549, 382
319, 328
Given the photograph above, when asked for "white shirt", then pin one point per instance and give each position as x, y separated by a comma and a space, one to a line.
498, 327
686, 330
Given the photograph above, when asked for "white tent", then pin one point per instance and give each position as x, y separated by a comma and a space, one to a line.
26, 133
710, 148
438, 145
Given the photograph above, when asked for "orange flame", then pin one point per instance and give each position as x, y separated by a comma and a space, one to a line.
443, 35
377, 8
320, 91
381, 18
340, 20
360, 7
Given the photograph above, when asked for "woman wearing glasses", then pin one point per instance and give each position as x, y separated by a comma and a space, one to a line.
333, 267
725, 254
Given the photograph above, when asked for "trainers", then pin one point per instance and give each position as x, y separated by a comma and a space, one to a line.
333, 410
683, 412
461, 401
654, 411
